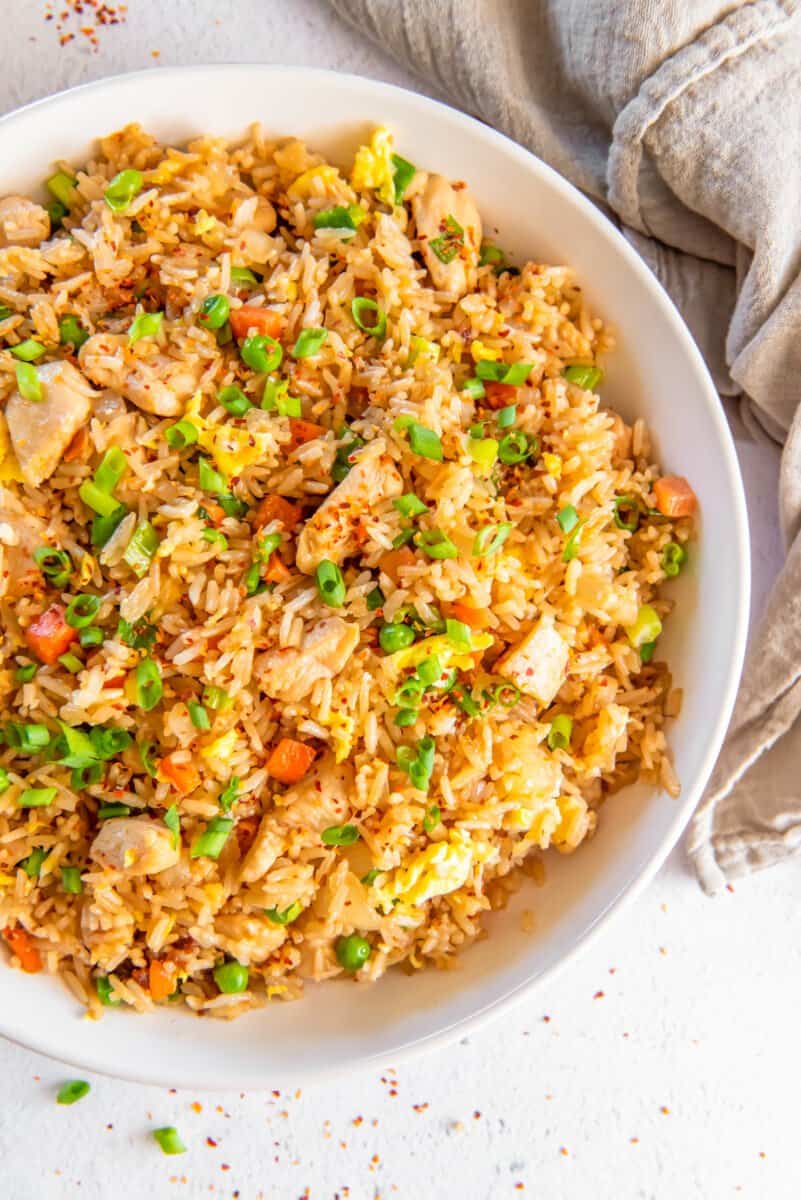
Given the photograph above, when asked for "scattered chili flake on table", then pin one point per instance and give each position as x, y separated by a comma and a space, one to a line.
599, 996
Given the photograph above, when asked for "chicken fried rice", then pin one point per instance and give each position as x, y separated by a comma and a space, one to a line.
330, 590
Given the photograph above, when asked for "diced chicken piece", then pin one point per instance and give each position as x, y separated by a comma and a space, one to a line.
267, 846
41, 430
321, 799
135, 845
332, 532
432, 207
22, 223
606, 738
159, 384
290, 674
537, 664
248, 939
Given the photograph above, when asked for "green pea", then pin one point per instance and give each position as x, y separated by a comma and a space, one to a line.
394, 637
231, 977
352, 952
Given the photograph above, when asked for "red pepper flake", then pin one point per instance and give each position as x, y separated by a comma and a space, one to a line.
665, 1110
634, 1141
419, 1108
477, 1115
599, 996
357, 1121
225, 1167
546, 1019
563, 1150
211, 1142
520, 1187
196, 1106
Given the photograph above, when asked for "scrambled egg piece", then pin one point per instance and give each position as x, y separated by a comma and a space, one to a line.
372, 166
232, 448
482, 353
531, 778
552, 464
602, 742
220, 751
302, 186
203, 222
341, 726
166, 171
9, 467
441, 868
447, 654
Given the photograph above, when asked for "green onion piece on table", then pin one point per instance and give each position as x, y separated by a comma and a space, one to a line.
169, 1139
72, 1091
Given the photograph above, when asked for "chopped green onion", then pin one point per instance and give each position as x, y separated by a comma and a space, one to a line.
394, 636
403, 422
285, 916
5, 781
215, 538
107, 812
28, 351
647, 651
140, 635
144, 325
104, 525
148, 687
30, 738
483, 451
458, 634
56, 212
146, 750
448, 244
82, 610
107, 741
374, 599
253, 580
330, 584
36, 797
72, 1091
210, 842
567, 518
402, 175
71, 332
626, 512
216, 698
62, 186
100, 501
340, 835
583, 376
490, 539
409, 693
110, 470
243, 277
169, 1140
209, 479
231, 977
474, 388
506, 416
71, 663
352, 951
71, 881
360, 307
405, 717
91, 637
225, 334
231, 506
25, 674
646, 628
261, 353
234, 401
274, 391
104, 992
309, 343
430, 669
141, 550
5, 312
28, 382
181, 434
198, 715
560, 733
342, 464
572, 544
74, 748
214, 311
417, 765
432, 818
341, 217
513, 374
420, 347
436, 544
267, 546
55, 565
369, 879
229, 795
84, 777
32, 865
514, 448
406, 534
491, 256
674, 557
172, 820
410, 505
123, 188
464, 700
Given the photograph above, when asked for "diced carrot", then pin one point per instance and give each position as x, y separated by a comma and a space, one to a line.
277, 570
49, 636
263, 320
183, 776
20, 943
79, 445
276, 508
161, 979
476, 618
290, 760
216, 511
394, 559
303, 431
674, 496
499, 395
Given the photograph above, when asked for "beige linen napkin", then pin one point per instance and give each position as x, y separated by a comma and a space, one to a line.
682, 120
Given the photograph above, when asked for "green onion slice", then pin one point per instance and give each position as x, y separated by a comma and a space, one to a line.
123, 188
432, 818
448, 244
583, 376
141, 550
402, 175
71, 332
28, 382
147, 684
490, 539
425, 442
567, 518
435, 544
674, 557
169, 1140
55, 565
28, 351
261, 353
284, 916
72, 1091
410, 505
144, 325
181, 435
330, 584
362, 306
626, 513
309, 342
234, 401
71, 881
172, 820
340, 835
82, 610
210, 842
560, 733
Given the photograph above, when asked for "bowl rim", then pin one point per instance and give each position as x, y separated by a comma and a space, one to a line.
39, 1040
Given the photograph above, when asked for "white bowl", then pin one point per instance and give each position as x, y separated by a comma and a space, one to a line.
657, 373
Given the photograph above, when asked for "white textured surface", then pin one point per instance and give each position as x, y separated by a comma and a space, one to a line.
662, 1065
